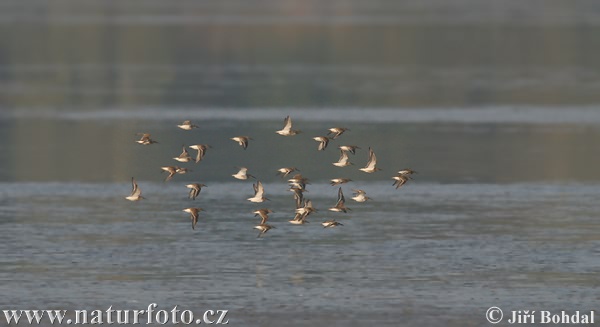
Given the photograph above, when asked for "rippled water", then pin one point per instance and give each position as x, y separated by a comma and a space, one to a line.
515, 230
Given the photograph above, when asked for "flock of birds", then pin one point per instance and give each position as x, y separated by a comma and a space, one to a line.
297, 183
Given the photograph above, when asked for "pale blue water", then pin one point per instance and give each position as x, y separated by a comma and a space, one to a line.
469, 232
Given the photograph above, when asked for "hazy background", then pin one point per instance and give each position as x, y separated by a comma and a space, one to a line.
127, 62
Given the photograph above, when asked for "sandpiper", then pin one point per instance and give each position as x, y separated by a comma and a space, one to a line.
187, 125
287, 128
298, 195
263, 228
337, 131
242, 141
299, 219
331, 223
400, 180
340, 204
298, 182
286, 171
263, 213
172, 170
370, 167
338, 181
259, 192
145, 140
184, 156
136, 193
193, 215
242, 174
360, 195
323, 141
349, 148
195, 189
407, 172
307, 209
343, 161
201, 148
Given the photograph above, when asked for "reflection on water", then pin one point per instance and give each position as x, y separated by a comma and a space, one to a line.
447, 145
281, 53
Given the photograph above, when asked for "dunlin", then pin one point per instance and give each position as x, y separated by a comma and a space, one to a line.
343, 161
195, 189
338, 181
307, 209
242, 174
370, 167
299, 219
286, 171
360, 196
193, 215
184, 156
407, 172
263, 228
298, 195
263, 213
242, 141
172, 170
187, 125
331, 223
287, 128
323, 141
259, 193
298, 182
337, 131
340, 204
145, 140
136, 192
400, 180
201, 148
349, 148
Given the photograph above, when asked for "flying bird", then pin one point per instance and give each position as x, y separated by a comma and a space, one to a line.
136, 192
201, 148
195, 189
259, 193
187, 125
323, 141
370, 166
340, 204
331, 223
184, 156
193, 215
337, 131
343, 161
360, 196
287, 128
242, 141
286, 171
145, 140
242, 174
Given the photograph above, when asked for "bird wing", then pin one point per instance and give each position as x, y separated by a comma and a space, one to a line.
341, 200
135, 190
372, 160
260, 191
287, 124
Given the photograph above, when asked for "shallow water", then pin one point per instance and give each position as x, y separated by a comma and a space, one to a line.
461, 237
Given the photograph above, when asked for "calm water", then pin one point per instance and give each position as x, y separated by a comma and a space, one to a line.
495, 105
